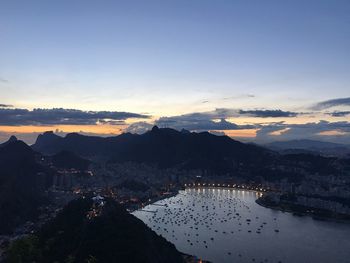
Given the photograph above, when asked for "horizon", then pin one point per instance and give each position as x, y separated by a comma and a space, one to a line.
33, 139
257, 72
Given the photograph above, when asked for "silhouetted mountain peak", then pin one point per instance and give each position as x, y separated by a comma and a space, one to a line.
46, 139
48, 135
11, 139
184, 131
155, 128
161, 132
72, 135
16, 147
20, 185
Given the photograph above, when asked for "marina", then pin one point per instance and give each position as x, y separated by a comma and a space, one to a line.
226, 225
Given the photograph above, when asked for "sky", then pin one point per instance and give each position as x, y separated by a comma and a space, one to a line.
254, 70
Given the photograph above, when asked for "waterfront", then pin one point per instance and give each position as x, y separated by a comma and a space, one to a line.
226, 225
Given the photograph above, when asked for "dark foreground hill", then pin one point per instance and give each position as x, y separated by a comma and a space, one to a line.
21, 185
113, 235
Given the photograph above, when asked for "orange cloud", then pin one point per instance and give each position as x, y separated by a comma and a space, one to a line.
248, 133
99, 129
332, 133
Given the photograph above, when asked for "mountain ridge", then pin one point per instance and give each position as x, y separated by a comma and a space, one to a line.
311, 146
162, 146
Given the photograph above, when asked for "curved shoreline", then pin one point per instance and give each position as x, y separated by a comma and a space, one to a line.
172, 194
226, 188
213, 197
298, 210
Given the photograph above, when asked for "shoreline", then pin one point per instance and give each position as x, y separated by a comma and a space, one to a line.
187, 257
318, 214
257, 200
159, 198
172, 194
228, 188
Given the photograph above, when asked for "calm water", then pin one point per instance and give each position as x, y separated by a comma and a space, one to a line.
222, 225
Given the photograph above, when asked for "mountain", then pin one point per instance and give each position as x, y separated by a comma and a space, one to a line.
46, 141
110, 234
50, 143
212, 154
11, 139
164, 147
21, 185
69, 160
311, 146
170, 148
303, 144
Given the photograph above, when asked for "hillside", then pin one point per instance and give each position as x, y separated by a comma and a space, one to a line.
113, 235
69, 160
21, 185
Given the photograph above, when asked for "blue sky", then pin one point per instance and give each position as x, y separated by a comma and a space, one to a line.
172, 58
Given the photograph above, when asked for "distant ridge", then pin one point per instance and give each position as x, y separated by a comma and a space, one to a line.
311, 146
211, 154
162, 146
304, 144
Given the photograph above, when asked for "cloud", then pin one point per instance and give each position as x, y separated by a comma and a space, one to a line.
139, 127
5, 106
3, 80
202, 121
218, 133
331, 103
268, 113
313, 130
339, 113
217, 119
59, 116
242, 96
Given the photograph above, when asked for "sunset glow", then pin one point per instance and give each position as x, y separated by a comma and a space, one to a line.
119, 67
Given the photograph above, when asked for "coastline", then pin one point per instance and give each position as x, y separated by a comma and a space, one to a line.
187, 257
252, 199
152, 201
298, 210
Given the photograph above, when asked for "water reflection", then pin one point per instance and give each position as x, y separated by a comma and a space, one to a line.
226, 225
